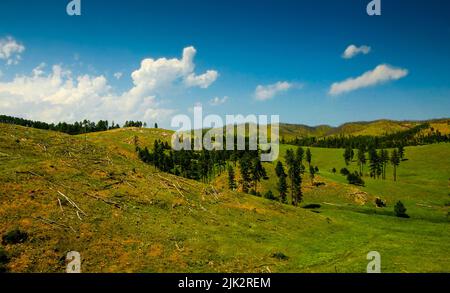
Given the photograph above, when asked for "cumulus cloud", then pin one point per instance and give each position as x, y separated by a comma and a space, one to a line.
382, 73
267, 92
57, 95
118, 75
218, 101
353, 50
155, 74
11, 50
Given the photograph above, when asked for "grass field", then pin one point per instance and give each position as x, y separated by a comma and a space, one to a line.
132, 218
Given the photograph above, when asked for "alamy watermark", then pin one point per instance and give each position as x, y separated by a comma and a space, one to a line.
374, 265
74, 8
191, 136
73, 260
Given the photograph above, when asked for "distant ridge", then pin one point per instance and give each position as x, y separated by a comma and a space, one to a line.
374, 128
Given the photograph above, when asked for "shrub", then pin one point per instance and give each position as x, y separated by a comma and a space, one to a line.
14, 237
400, 210
380, 203
312, 206
269, 195
280, 255
333, 170
345, 171
355, 179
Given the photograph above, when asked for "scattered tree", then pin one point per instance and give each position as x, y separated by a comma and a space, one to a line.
355, 179
312, 173
348, 155
400, 210
308, 157
395, 161
231, 178
361, 156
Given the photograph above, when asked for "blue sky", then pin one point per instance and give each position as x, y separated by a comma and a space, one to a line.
298, 44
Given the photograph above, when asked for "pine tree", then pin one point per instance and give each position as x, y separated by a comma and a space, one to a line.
312, 173
257, 172
348, 155
231, 178
400, 210
294, 173
299, 155
375, 164
395, 161
290, 162
384, 159
308, 157
401, 152
245, 166
361, 156
282, 188
279, 169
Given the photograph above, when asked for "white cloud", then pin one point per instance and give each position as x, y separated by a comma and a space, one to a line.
59, 96
382, 73
353, 50
10, 50
218, 101
160, 73
1, 74
203, 80
267, 92
118, 75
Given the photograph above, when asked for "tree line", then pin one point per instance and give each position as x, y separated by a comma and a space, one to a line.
410, 137
205, 165
81, 127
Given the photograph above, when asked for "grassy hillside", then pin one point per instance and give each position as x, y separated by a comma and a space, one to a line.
375, 128
128, 217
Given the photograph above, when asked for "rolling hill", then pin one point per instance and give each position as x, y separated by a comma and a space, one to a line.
90, 193
374, 128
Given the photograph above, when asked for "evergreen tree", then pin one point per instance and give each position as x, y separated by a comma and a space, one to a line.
312, 173
348, 155
282, 188
375, 165
401, 152
231, 178
395, 161
361, 156
279, 169
384, 159
400, 210
257, 172
299, 155
245, 169
294, 173
308, 157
